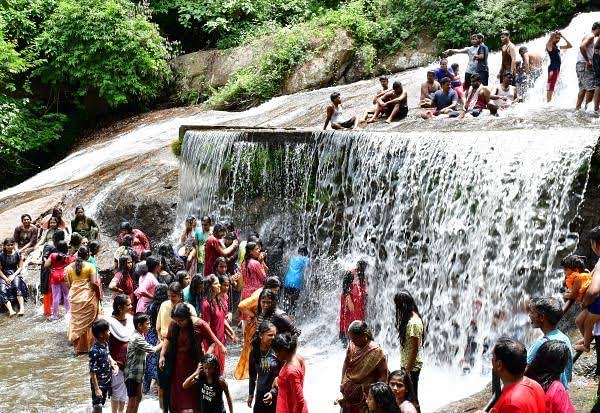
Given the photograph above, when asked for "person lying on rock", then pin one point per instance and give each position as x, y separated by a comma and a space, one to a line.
334, 115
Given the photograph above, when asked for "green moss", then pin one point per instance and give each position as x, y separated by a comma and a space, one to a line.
176, 147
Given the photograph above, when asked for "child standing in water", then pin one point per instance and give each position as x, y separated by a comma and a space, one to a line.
100, 365
210, 385
577, 280
402, 388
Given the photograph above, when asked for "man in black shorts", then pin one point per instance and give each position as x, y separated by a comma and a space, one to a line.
334, 114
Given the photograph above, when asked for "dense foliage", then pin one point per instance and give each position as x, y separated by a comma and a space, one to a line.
64, 62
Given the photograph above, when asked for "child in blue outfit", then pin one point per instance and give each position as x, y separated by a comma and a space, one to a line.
100, 365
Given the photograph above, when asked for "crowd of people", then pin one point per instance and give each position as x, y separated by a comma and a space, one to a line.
445, 94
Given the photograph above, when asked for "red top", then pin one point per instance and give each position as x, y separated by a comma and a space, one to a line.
254, 274
291, 396
140, 241
557, 399
57, 268
358, 294
215, 317
526, 396
211, 253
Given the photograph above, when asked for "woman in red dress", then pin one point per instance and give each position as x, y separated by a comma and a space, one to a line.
353, 300
289, 389
181, 352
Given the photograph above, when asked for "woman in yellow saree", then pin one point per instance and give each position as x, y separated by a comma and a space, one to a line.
84, 297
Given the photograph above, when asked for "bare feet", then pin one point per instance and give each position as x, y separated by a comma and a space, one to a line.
21, 313
12, 314
580, 348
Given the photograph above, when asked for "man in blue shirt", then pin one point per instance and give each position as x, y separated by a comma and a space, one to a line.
294, 277
444, 101
545, 313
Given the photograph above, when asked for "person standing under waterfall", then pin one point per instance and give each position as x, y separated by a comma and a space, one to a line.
519, 393
294, 279
545, 313
585, 69
509, 55
411, 333
202, 233
354, 299
214, 249
478, 55
531, 66
334, 113
253, 270
365, 364
596, 67
553, 50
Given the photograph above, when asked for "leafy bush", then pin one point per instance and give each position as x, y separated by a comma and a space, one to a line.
103, 45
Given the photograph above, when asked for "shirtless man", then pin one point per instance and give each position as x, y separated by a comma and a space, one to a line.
584, 67
479, 98
385, 87
509, 55
393, 104
596, 67
428, 89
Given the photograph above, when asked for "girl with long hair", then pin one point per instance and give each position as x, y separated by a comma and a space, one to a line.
210, 385
546, 368
380, 399
264, 368
402, 388
12, 286
253, 272
411, 333
123, 280
353, 299
57, 262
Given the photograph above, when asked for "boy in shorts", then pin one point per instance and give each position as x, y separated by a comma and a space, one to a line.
100, 365
137, 349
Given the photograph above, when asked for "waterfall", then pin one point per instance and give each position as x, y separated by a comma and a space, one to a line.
471, 223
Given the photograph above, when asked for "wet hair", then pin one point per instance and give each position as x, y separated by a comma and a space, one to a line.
505, 33
207, 291
507, 75
145, 255
573, 262
214, 362
384, 398
139, 270
405, 307
266, 293
361, 328
334, 96
223, 278
595, 234
160, 296
347, 281
250, 245
176, 288
218, 228
25, 216
59, 235
480, 36
404, 376
206, 218
431, 72
302, 250
94, 247
194, 284
454, 66
285, 342
383, 78
512, 354
152, 262
139, 319
476, 77
165, 277
119, 302
596, 25
82, 254
181, 310
549, 307
549, 362
77, 208
262, 328
218, 261
126, 225
397, 85
230, 226
230, 235
522, 49
272, 282
127, 241
62, 247
123, 264
53, 218
180, 276
443, 60
190, 219
99, 326
445, 80
76, 239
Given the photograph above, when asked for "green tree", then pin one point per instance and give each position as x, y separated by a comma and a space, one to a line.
108, 46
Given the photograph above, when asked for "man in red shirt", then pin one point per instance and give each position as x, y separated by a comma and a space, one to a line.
519, 394
213, 248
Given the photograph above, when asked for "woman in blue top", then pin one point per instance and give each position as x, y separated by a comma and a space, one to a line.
294, 277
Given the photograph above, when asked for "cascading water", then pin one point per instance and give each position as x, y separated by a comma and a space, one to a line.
470, 223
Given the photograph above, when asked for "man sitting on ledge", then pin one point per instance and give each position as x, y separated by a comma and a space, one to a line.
334, 113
